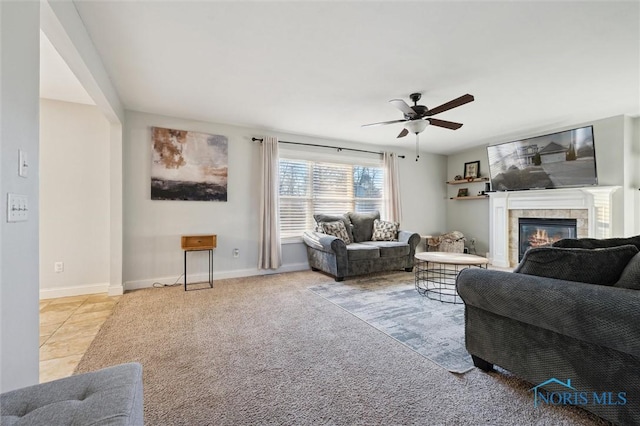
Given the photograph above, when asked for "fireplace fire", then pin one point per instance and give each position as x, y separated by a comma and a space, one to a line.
542, 232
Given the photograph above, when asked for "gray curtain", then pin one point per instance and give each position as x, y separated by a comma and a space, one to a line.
270, 255
392, 187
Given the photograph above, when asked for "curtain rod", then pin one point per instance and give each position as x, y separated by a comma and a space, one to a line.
326, 146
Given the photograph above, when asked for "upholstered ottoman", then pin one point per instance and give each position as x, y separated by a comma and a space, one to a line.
112, 396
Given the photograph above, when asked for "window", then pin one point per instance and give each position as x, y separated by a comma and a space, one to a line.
310, 187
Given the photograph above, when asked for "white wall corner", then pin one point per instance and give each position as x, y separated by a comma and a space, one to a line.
115, 290
115, 210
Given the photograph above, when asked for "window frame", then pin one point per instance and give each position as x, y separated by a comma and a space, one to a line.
312, 157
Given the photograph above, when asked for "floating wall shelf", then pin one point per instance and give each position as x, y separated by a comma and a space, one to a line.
460, 182
471, 197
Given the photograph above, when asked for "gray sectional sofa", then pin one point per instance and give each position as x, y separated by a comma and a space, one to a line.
332, 255
569, 313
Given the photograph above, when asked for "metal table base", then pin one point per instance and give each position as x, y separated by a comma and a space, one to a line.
210, 268
437, 281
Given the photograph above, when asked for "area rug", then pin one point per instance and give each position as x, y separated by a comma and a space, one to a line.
391, 304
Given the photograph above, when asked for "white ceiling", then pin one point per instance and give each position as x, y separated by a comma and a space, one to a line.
325, 68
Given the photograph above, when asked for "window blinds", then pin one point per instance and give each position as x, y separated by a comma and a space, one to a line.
311, 187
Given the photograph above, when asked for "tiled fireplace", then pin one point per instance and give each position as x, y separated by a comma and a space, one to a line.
590, 207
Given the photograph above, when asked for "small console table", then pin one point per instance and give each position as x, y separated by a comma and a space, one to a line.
199, 243
436, 273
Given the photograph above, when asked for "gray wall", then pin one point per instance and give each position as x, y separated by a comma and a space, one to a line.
152, 229
613, 136
19, 92
471, 217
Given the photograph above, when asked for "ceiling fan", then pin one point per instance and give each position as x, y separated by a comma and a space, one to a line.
417, 117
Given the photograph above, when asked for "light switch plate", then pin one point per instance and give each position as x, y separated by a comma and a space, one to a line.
17, 208
23, 163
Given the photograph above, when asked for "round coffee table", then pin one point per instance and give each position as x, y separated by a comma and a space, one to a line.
436, 273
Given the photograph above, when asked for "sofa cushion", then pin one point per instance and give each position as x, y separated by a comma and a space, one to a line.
630, 277
337, 229
594, 266
111, 396
358, 251
363, 225
390, 248
593, 243
319, 218
384, 230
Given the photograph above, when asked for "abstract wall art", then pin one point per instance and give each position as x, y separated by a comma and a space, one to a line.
188, 166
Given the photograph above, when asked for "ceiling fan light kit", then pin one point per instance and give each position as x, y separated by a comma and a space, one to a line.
418, 117
416, 126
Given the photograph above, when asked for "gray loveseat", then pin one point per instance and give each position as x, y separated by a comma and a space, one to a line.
362, 255
111, 396
569, 312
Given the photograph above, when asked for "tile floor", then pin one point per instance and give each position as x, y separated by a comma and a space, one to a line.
67, 328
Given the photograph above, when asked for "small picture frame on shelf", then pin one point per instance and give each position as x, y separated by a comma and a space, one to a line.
472, 170
463, 192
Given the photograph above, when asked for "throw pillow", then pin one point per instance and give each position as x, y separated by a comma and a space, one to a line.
336, 229
363, 225
384, 230
320, 218
630, 277
597, 266
593, 243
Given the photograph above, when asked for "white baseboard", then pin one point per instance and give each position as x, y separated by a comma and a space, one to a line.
217, 275
51, 293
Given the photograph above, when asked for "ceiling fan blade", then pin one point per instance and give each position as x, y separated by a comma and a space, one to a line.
451, 104
402, 106
382, 123
403, 133
446, 124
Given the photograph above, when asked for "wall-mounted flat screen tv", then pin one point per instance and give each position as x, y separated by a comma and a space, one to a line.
559, 160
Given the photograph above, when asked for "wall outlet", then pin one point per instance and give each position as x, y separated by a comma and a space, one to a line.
236, 252
58, 267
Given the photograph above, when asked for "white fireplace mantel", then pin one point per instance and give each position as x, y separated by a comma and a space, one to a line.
597, 200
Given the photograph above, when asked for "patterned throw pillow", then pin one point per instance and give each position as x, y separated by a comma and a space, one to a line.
337, 229
319, 218
385, 231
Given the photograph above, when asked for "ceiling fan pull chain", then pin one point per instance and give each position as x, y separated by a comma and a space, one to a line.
417, 151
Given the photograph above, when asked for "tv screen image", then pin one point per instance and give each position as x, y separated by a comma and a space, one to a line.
558, 160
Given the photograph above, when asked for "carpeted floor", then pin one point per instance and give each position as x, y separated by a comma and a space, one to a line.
266, 350
391, 304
